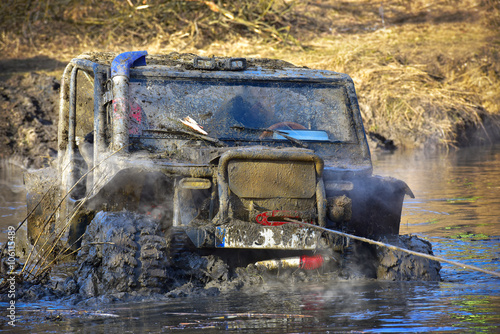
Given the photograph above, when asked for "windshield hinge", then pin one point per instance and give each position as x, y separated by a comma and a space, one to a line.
107, 97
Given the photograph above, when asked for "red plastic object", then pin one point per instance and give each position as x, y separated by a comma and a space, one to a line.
263, 218
311, 262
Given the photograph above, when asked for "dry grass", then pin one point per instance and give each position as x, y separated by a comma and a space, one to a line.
426, 72
124, 24
422, 85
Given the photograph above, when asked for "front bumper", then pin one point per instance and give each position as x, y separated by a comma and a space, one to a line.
244, 235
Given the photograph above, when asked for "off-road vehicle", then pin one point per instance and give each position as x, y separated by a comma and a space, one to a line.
210, 154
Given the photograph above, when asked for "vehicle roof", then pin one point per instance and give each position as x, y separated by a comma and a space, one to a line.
185, 60
181, 65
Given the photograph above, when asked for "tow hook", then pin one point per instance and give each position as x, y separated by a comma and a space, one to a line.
270, 218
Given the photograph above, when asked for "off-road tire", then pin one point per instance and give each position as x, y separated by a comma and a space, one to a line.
122, 252
362, 260
400, 266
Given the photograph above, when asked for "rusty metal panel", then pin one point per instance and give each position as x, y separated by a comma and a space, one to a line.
267, 179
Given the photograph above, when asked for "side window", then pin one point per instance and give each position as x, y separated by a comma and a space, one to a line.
84, 104
83, 159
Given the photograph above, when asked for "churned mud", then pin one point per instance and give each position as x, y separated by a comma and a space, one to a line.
28, 119
125, 256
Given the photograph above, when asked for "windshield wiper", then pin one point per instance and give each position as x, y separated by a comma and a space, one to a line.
214, 141
281, 133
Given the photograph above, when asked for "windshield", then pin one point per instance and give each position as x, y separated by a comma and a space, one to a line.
240, 111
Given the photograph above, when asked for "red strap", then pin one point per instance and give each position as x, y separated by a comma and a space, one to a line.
262, 218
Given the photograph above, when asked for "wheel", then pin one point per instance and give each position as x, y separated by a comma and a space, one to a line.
282, 126
399, 266
122, 252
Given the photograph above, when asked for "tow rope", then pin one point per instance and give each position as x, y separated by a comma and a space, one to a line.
381, 244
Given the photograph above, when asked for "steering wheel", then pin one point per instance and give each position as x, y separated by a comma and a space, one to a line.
282, 126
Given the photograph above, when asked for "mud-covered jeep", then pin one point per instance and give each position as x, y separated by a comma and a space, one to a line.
220, 153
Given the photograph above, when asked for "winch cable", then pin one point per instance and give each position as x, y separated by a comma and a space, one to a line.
395, 248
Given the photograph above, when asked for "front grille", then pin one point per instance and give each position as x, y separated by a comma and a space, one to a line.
272, 179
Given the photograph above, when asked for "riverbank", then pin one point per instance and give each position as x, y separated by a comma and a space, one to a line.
427, 74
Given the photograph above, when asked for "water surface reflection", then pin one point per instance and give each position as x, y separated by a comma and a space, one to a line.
339, 306
457, 208
456, 193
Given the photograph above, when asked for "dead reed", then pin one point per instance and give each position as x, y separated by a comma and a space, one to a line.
47, 249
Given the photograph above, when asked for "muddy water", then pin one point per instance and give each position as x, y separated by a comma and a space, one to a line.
457, 208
